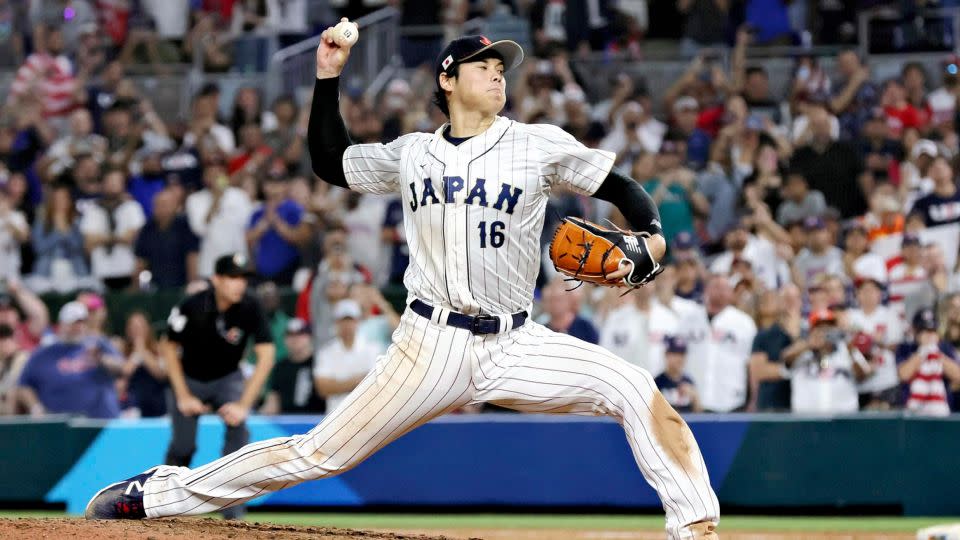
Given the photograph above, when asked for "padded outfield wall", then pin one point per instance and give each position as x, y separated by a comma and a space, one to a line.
755, 461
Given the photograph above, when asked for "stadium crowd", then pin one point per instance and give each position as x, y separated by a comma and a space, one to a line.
813, 235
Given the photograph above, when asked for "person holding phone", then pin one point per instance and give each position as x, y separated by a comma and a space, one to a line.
216, 214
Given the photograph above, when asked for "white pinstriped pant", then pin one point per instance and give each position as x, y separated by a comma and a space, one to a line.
431, 369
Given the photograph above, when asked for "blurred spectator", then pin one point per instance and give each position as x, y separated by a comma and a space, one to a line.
380, 319
819, 257
166, 248
706, 24
78, 142
926, 366
881, 152
330, 284
210, 34
799, 201
780, 323
394, 236
204, 129
47, 74
560, 312
765, 184
269, 296
216, 214
343, 362
942, 102
23, 311
669, 315
291, 384
832, 167
673, 191
623, 325
858, 261
686, 259
824, 368
12, 360
906, 274
74, 374
719, 349
14, 232
248, 109
58, 242
942, 206
686, 111
879, 332
675, 385
252, 155
100, 97
110, 228
13, 26
854, 94
576, 26
96, 313
286, 139
276, 231
757, 250
901, 114
363, 215
145, 373
915, 181
150, 180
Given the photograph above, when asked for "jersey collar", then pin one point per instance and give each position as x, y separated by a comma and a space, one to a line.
476, 145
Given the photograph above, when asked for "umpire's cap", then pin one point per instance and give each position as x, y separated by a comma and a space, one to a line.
465, 48
234, 265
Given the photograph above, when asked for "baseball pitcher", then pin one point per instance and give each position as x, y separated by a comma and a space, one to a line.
474, 194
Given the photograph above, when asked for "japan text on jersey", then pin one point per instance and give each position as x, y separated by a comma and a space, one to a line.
473, 213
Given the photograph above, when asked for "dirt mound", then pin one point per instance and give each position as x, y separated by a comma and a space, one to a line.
184, 529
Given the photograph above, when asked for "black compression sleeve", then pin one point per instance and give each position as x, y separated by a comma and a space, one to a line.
633, 202
327, 136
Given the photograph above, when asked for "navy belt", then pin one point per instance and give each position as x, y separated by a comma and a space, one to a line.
479, 324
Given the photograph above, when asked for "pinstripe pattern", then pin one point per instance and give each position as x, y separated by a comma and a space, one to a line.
430, 370
502, 175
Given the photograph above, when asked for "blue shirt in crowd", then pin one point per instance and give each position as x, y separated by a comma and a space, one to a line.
68, 378
670, 389
275, 255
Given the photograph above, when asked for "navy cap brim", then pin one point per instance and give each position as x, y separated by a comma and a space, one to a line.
510, 51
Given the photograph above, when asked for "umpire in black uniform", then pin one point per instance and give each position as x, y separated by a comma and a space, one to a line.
212, 329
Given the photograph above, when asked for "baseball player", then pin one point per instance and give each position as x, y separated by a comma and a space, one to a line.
474, 194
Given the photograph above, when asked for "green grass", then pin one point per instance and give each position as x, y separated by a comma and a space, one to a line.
569, 522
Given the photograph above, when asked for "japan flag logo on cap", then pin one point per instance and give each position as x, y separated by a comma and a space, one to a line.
447, 61
484, 40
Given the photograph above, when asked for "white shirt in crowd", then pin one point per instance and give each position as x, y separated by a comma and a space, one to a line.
761, 253
718, 354
624, 331
677, 319
9, 247
224, 233
885, 324
365, 226
335, 361
119, 260
824, 385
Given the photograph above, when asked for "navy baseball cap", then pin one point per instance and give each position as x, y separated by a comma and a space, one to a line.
910, 239
813, 223
297, 326
462, 49
675, 344
684, 240
235, 265
925, 319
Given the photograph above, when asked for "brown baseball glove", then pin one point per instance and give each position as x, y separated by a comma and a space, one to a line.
587, 252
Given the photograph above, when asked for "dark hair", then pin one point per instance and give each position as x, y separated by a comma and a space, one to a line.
440, 95
754, 70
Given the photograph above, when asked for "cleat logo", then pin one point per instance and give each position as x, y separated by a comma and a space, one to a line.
134, 485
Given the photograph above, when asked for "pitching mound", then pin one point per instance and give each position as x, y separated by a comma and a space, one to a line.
183, 529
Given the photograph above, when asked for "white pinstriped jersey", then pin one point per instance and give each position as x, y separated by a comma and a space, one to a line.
473, 213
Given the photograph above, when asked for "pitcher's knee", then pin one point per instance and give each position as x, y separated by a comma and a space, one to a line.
317, 460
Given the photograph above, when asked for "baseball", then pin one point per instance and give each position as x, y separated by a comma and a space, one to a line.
345, 34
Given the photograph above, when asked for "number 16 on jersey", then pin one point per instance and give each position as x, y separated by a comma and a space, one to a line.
497, 236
